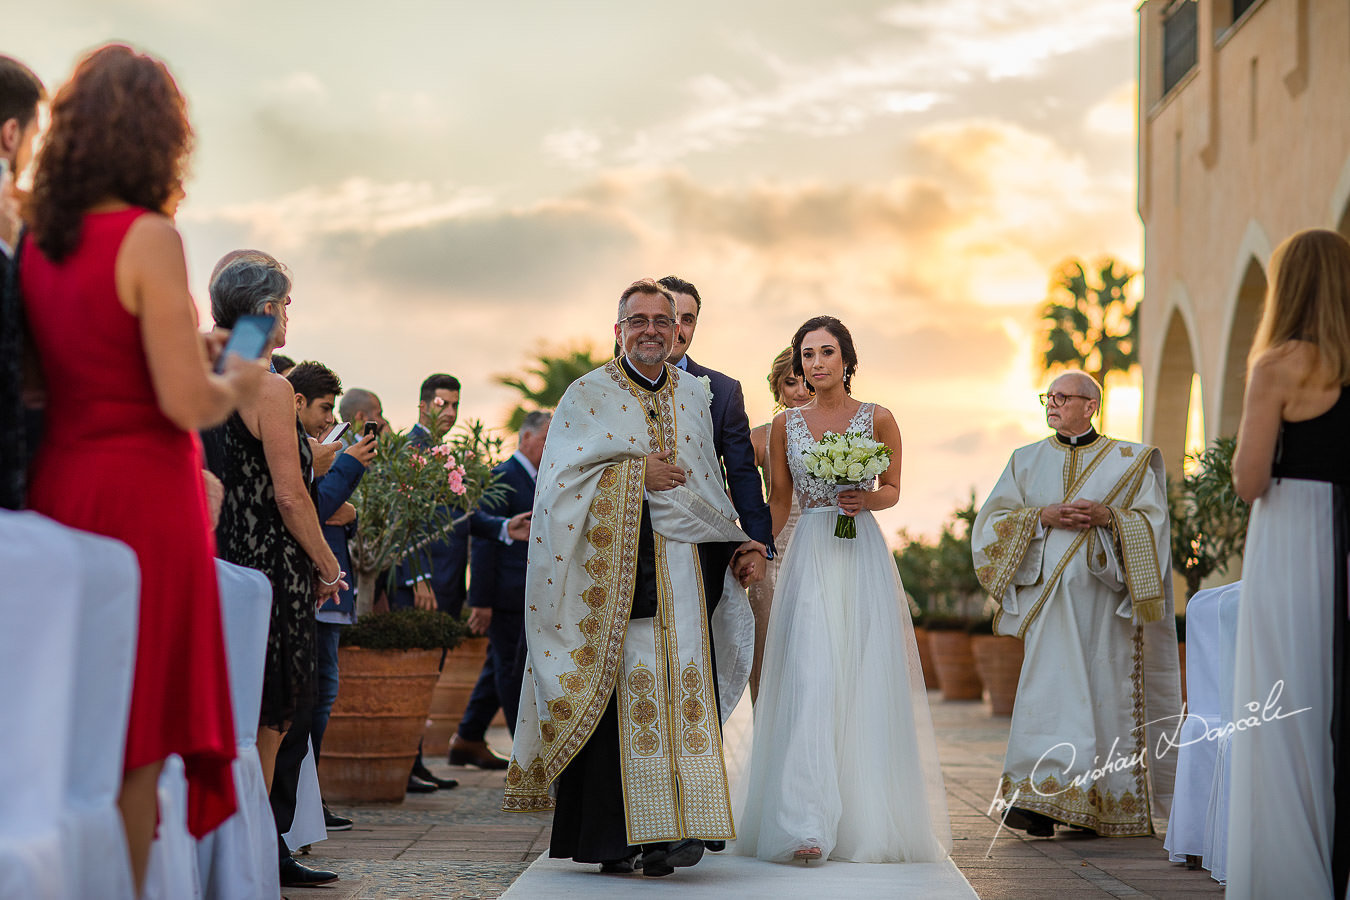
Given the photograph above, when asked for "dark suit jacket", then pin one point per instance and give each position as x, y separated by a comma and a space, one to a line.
447, 559
498, 580
731, 437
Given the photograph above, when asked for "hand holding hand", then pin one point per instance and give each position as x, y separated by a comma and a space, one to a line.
1065, 515
479, 619
1097, 514
661, 474
518, 528
749, 562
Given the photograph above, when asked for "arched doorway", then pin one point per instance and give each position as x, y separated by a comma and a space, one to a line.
1246, 315
1171, 390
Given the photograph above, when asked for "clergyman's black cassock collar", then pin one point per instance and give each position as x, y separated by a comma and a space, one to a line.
1082, 440
641, 380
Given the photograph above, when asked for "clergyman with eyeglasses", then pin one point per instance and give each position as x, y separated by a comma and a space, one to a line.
620, 702
1073, 544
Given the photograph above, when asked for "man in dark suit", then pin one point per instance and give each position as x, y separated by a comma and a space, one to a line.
20, 94
497, 605
438, 580
731, 436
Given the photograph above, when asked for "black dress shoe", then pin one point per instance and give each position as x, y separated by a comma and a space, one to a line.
295, 875
715, 846
1033, 823
624, 866
420, 786
424, 773
662, 859
334, 822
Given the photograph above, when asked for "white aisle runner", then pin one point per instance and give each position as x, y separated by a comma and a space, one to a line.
723, 875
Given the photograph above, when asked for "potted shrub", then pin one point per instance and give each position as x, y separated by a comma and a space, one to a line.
998, 660
389, 664
412, 494
949, 640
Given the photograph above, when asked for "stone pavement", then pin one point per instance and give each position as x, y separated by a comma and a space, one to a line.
459, 844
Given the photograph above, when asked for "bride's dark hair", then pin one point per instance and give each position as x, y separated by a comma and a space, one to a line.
841, 334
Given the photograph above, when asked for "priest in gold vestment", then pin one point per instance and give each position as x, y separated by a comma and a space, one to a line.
629, 548
1074, 545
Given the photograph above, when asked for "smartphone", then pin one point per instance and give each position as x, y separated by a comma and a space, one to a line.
248, 339
372, 430
336, 434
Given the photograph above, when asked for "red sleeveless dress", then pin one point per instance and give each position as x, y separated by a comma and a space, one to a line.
111, 463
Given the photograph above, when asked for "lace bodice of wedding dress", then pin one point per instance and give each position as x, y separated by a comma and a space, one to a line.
812, 491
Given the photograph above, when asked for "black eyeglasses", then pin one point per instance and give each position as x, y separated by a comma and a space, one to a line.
1055, 400
640, 323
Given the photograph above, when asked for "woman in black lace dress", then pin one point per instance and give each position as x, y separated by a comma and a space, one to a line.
268, 520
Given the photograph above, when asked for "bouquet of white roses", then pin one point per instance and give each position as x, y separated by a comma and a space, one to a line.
848, 460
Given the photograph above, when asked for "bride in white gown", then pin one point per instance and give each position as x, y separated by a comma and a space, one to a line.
843, 764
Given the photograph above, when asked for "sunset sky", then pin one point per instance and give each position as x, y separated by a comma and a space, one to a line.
457, 186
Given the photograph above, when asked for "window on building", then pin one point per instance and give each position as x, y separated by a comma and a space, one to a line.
1240, 7
1180, 27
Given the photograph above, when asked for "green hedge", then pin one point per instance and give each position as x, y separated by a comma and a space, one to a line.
404, 629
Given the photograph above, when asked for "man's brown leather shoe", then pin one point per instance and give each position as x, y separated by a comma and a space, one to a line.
474, 753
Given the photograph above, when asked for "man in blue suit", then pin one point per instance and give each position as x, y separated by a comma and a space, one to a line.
439, 580
731, 436
497, 605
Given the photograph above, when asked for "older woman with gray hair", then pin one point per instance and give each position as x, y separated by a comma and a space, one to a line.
268, 520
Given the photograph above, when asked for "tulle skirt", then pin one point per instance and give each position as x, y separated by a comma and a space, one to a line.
1280, 809
843, 756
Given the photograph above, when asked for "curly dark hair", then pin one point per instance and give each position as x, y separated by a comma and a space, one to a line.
846, 349
119, 130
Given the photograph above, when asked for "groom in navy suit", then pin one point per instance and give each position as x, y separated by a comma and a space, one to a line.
497, 603
731, 436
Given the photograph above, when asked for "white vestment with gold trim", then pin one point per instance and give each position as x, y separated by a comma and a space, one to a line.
1100, 683
579, 593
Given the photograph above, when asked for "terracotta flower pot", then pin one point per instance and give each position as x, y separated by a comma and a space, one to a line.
462, 668
998, 659
955, 665
376, 723
930, 678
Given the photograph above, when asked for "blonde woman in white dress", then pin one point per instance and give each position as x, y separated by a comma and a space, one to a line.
844, 764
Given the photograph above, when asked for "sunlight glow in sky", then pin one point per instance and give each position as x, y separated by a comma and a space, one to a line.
457, 185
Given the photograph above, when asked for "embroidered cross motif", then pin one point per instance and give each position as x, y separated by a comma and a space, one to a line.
1127, 451
578, 497
538, 540
571, 527
533, 608
632, 440
558, 558
592, 410
550, 581
609, 436
558, 627
624, 407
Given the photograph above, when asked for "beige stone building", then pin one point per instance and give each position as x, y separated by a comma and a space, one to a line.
1244, 138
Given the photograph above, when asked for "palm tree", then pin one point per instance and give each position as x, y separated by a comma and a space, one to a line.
1091, 326
553, 374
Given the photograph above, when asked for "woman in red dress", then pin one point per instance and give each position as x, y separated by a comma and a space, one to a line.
104, 285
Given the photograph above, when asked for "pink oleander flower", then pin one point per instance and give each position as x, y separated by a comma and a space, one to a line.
441, 450
457, 481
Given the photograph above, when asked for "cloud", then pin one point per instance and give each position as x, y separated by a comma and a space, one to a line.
576, 147
1115, 115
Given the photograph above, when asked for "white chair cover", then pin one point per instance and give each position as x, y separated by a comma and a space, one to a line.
1216, 822
95, 841
1197, 756
238, 861
39, 614
307, 827
172, 873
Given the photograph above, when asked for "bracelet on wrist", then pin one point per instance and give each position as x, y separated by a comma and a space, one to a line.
335, 580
